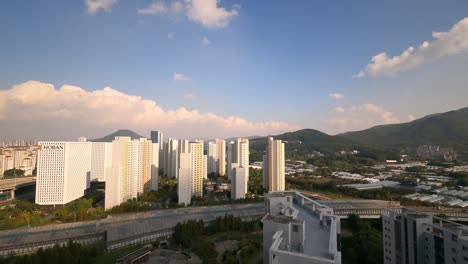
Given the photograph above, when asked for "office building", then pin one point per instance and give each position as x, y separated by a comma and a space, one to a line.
101, 160
273, 166
63, 171
130, 173
297, 229
414, 238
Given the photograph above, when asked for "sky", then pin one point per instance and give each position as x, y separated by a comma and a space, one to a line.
224, 68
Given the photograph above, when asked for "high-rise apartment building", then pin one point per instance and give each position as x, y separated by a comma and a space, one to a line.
414, 238
197, 167
238, 183
171, 158
273, 166
155, 166
63, 171
216, 157
221, 151
238, 157
184, 183
101, 160
157, 137
212, 157
130, 173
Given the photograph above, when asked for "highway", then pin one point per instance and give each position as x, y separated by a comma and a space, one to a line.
12, 183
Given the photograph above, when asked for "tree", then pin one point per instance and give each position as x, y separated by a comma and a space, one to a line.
13, 173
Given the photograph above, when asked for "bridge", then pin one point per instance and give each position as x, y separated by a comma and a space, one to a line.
11, 185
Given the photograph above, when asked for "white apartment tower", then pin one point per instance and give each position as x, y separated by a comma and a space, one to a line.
212, 157
273, 166
171, 157
184, 191
101, 160
238, 157
130, 173
221, 145
63, 171
155, 166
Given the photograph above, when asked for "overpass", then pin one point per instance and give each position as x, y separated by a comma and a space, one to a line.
11, 185
117, 231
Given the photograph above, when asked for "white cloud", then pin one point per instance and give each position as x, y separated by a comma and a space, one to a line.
180, 77
205, 41
411, 118
170, 35
442, 45
189, 96
107, 109
360, 117
336, 96
155, 8
177, 7
208, 13
94, 5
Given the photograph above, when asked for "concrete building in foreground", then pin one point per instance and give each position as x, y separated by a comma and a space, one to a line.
299, 230
63, 171
273, 166
415, 238
130, 173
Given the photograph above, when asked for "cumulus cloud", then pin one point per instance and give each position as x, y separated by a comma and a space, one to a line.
40, 103
336, 96
361, 117
180, 77
205, 41
94, 5
442, 45
208, 13
153, 8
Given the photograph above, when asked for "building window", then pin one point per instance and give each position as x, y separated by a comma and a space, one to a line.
295, 228
454, 238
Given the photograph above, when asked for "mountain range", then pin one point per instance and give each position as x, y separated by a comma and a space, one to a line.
448, 129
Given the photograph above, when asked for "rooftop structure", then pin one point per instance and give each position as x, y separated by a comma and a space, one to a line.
296, 233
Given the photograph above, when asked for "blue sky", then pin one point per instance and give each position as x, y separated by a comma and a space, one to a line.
261, 61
